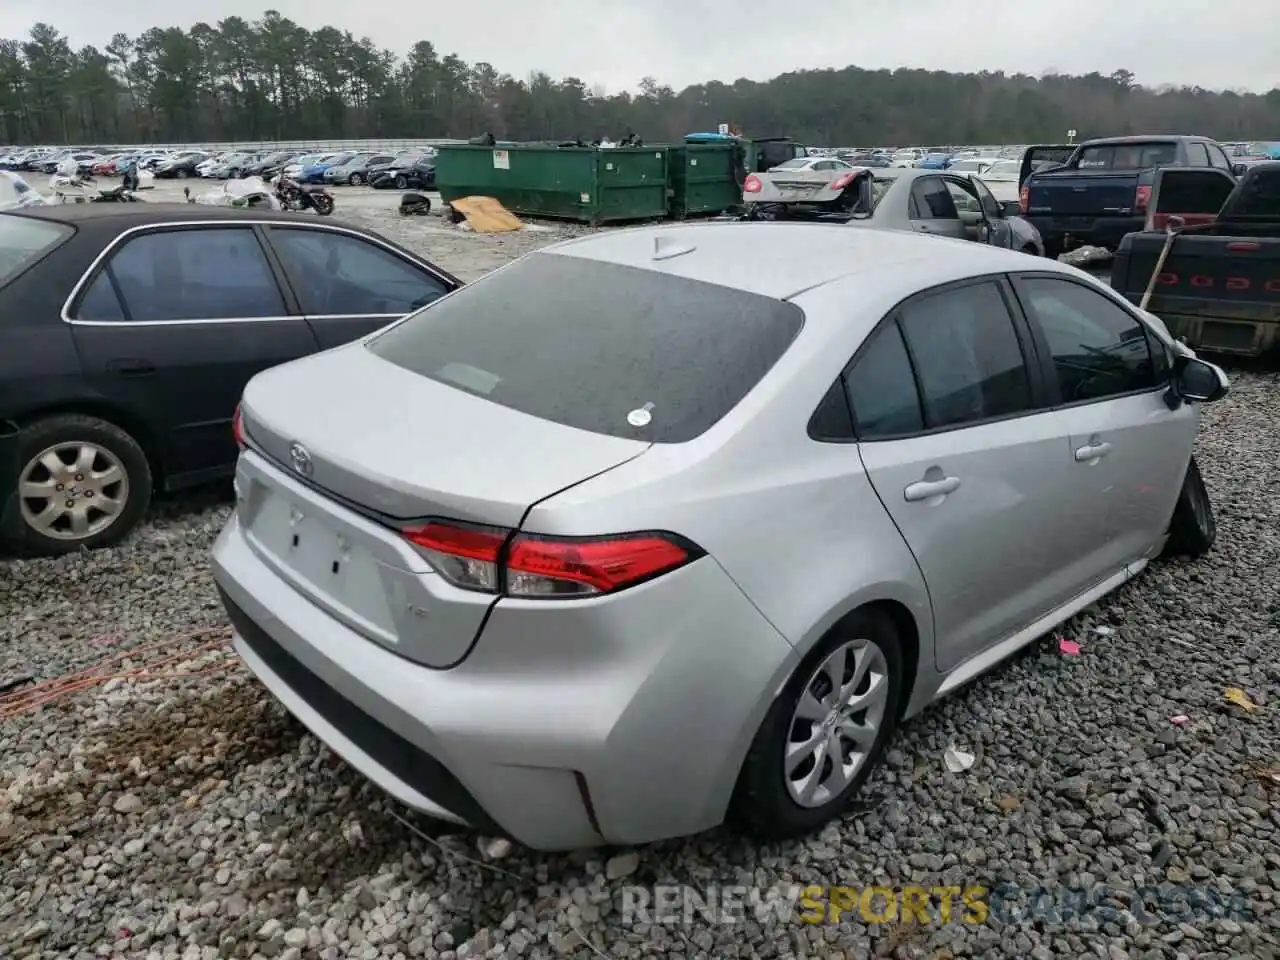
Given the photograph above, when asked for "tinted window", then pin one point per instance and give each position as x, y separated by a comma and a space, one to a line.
100, 301
24, 240
967, 356
1197, 155
587, 343
1127, 156
209, 273
832, 421
882, 388
1099, 349
933, 199
335, 273
1218, 159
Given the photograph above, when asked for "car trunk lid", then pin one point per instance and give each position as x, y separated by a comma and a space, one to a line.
342, 471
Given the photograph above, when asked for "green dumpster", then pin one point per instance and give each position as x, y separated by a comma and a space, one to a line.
705, 178
586, 184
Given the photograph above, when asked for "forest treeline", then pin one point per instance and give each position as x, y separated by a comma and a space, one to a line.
273, 79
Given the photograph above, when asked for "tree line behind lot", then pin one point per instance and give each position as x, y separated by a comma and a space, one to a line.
273, 79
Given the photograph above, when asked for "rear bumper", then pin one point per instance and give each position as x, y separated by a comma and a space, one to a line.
619, 720
1074, 232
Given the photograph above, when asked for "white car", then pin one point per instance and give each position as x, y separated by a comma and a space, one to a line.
975, 165
1001, 177
907, 158
814, 181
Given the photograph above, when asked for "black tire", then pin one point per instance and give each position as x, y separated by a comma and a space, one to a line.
182, 174
1193, 528
70, 429
401, 181
324, 205
761, 806
355, 180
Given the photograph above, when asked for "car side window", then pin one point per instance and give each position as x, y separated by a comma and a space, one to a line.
100, 302
933, 199
204, 273
336, 274
882, 388
967, 355
1099, 350
1197, 155
964, 196
1218, 157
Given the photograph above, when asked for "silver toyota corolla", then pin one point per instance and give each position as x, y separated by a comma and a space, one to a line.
665, 526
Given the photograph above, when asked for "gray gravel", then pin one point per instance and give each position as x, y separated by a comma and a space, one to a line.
191, 818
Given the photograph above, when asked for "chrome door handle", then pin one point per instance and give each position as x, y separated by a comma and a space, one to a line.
928, 489
1092, 451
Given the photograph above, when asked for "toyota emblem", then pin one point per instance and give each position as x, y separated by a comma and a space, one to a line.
301, 459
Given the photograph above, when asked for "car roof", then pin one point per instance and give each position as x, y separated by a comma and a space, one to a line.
782, 260
1143, 138
126, 215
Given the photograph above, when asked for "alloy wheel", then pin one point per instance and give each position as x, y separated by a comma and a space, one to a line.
72, 491
835, 723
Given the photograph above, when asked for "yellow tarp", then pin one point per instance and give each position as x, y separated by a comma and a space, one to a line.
487, 215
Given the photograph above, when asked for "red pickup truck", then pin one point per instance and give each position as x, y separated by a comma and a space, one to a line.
1218, 287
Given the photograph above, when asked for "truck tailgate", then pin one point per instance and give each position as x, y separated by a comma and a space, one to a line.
1070, 193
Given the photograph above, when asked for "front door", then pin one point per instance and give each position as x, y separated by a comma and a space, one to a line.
349, 286
174, 324
1128, 451
970, 484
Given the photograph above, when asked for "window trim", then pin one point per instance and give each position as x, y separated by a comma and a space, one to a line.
286, 290
917, 182
1048, 373
1031, 359
1204, 148
448, 283
1213, 149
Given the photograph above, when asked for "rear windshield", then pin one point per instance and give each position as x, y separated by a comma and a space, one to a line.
615, 350
1127, 156
879, 187
24, 240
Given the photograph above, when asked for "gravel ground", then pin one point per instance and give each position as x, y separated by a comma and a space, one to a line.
189, 818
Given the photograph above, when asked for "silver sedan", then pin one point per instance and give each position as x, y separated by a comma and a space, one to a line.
592, 576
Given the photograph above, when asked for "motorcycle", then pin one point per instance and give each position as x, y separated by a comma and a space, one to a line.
68, 186
295, 196
117, 194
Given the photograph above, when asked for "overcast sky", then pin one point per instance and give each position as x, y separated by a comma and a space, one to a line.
1226, 43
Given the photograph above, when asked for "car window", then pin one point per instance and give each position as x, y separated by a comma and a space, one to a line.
1127, 156
24, 240
209, 273
100, 302
879, 188
336, 273
882, 388
1197, 155
1218, 159
933, 199
795, 163
964, 197
1099, 349
664, 361
967, 355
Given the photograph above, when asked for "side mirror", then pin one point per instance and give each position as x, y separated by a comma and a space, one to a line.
1240, 169
1199, 380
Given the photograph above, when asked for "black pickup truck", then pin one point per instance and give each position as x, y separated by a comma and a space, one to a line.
1219, 286
1101, 192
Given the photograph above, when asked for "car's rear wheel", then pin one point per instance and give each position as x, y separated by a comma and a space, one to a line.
824, 733
1193, 528
355, 180
182, 174
401, 182
81, 483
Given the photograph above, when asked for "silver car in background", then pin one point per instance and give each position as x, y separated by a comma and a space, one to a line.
587, 574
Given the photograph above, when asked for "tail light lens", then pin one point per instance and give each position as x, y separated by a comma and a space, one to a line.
494, 560
1141, 199
842, 181
752, 184
1024, 200
237, 427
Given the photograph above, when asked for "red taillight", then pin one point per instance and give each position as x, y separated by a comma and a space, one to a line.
842, 181
752, 184
533, 567
1244, 246
237, 427
1024, 200
1141, 199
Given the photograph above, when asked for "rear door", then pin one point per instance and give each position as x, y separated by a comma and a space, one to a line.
349, 285
1128, 451
970, 475
173, 323
933, 209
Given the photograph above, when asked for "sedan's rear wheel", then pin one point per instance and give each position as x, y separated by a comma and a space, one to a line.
81, 483
355, 180
402, 181
182, 174
824, 733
